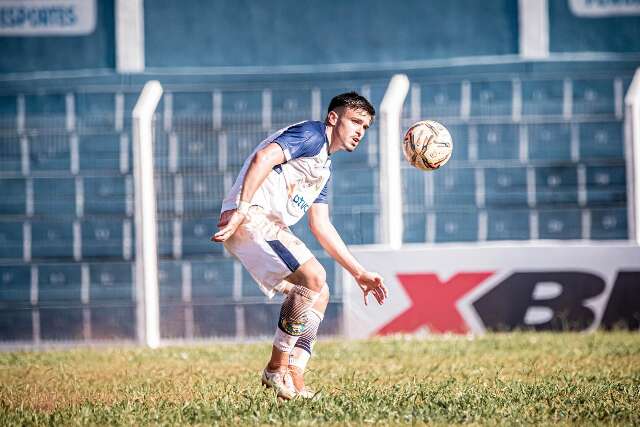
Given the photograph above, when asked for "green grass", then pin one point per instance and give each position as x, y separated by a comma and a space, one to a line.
504, 378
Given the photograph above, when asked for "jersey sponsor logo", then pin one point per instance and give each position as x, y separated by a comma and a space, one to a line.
540, 300
300, 202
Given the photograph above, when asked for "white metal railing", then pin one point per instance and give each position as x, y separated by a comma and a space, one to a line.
632, 156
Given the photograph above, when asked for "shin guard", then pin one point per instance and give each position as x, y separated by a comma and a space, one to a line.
294, 315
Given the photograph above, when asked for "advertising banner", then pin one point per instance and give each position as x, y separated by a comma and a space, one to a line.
603, 8
47, 17
478, 288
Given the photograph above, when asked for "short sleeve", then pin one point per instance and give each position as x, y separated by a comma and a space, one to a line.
324, 194
302, 140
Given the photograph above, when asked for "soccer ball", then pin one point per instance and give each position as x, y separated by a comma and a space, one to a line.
427, 145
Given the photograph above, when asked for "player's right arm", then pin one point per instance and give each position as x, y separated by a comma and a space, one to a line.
259, 168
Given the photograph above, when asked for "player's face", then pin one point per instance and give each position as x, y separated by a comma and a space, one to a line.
349, 128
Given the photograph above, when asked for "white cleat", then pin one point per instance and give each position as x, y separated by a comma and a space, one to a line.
281, 382
307, 393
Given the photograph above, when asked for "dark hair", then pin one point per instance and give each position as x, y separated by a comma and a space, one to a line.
352, 100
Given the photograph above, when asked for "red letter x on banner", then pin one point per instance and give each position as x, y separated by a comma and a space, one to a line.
433, 303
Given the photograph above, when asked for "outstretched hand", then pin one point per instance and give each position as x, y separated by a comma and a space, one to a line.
229, 222
372, 283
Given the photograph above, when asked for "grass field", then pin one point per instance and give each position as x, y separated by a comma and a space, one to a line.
504, 378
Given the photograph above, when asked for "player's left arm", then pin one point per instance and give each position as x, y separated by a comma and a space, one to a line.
329, 238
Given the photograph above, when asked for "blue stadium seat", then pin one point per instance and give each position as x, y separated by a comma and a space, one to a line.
593, 96
15, 285
599, 141
505, 186
560, 224
165, 238
11, 239
45, 111
16, 324
549, 142
217, 321
261, 319
59, 283
58, 324
165, 194
8, 112
241, 144
13, 191
197, 150
353, 186
498, 142
413, 186
100, 152
102, 238
170, 281
95, 110
111, 282
203, 194
52, 239
414, 226
190, 104
606, 185
10, 154
54, 197
113, 322
290, 106
212, 279
609, 224
49, 153
507, 224
542, 97
456, 226
460, 137
239, 106
250, 287
440, 100
356, 227
196, 234
557, 185
172, 320
454, 187
491, 99
105, 195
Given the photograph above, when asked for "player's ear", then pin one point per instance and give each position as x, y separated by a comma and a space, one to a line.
332, 118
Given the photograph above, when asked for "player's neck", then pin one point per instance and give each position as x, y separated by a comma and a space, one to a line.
329, 133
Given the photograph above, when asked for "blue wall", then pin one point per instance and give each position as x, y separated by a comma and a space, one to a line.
285, 32
96, 50
570, 33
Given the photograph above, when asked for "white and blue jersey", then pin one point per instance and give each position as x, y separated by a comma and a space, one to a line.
290, 188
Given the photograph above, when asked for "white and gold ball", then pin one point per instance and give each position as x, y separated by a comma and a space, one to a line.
427, 145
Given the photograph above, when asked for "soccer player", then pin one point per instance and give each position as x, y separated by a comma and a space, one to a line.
285, 177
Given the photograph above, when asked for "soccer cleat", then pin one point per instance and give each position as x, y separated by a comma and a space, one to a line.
281, 382
307, 393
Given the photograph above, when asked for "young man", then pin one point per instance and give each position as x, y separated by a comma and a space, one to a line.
285, 177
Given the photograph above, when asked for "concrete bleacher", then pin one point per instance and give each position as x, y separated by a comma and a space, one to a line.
538, 154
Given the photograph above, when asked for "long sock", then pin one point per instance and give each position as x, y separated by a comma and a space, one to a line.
303, 348
294, 317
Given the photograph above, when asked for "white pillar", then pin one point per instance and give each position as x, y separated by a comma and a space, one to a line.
632, 156
533, 25
130, 36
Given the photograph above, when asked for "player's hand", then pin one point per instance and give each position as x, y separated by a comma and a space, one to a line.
372, 283
229, 222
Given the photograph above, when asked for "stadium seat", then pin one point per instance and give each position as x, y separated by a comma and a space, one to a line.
212, 279
8, 112
173, 320
413, 186
241, 106
14, 195
111, 282
353, 186
196, 234
101, 152
507, 224
250, 287
491, 99
16, 324
95, 110
609, 223
261, 319
241, 143
113, 322
549, 142
559, 224
505, 186
456, 226
456, 187
591, 96
49, 153
414, 226
599, 141
356, 227
192, 104
197, 150
290, 106
606, 185
15, 285
10, 154
102, 238
203, 193
440, 100
170, 281
460, 138
53, 197
542, 97
556, 186
61, 324
11, 239
165, 194
217, 321
59, 284
52, 239
165, 238
105, 195
45, 111
498, 142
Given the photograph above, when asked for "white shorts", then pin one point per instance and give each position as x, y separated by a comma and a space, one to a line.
268, 250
